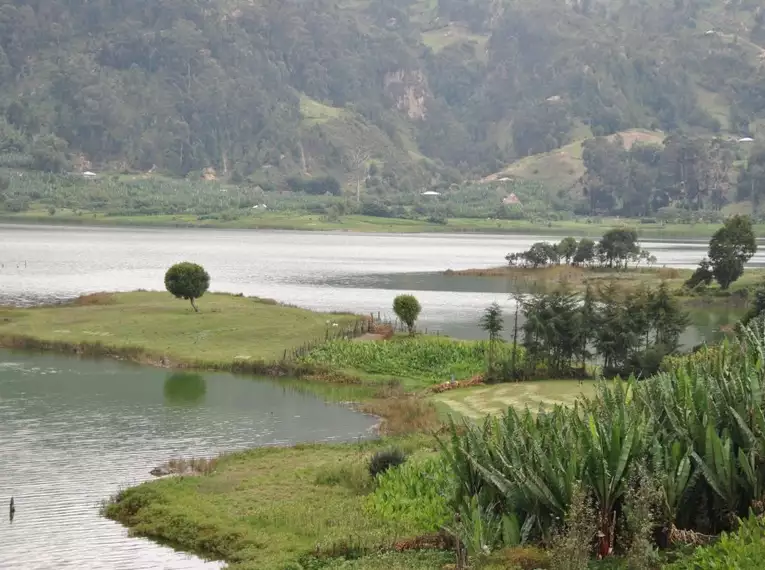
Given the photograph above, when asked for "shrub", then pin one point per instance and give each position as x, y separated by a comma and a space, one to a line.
384, 460
742, 550
407, 308
526, 558
572, 545
352, 476
640, 507
187, 281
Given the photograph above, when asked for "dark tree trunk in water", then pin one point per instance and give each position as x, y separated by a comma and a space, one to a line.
193, 304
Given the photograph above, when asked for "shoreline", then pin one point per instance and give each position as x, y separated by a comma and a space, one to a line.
242, 336
575, 278
382, 404
370, 225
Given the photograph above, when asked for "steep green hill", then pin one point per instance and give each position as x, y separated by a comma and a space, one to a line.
386, 96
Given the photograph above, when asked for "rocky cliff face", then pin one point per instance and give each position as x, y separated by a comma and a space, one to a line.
409, 91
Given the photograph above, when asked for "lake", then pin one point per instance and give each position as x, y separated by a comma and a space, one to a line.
324, 271
73, 432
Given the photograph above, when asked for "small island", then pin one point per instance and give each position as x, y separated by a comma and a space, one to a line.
618, 262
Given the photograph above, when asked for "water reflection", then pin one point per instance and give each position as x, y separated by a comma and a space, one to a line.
185, 389
73, 432
710, 324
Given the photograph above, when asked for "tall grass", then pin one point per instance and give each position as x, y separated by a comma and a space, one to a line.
698, 428
429, 358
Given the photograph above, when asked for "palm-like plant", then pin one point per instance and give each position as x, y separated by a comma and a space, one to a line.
699, 428
610, 448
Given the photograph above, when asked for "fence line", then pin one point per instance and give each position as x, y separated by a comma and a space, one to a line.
359, 328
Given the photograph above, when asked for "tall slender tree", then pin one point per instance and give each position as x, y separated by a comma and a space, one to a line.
492, 323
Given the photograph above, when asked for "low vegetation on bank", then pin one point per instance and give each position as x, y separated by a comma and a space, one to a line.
273, 508
300, 221
418, 361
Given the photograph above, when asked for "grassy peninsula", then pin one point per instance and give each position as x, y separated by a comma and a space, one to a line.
151, 327
299, 507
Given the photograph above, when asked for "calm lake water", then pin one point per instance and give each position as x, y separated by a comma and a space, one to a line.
73, 432
317, 270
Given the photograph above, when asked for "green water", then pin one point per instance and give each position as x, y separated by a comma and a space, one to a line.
73, 432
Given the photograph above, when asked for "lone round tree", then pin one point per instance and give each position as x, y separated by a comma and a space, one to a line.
407, 308
187, 281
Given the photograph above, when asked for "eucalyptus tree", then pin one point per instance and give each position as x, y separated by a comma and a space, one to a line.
492, 322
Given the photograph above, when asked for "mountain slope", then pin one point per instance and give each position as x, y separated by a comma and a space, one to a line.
562, 168
394, 94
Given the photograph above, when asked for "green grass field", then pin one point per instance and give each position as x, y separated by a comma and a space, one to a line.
228, 328
452, 34
314, 112
273, 508
315, 222
562, 167
477, 402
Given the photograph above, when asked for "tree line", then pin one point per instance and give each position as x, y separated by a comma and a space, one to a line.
563, 332
616, 249
684, 175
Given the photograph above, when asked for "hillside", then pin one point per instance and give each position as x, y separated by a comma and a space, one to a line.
385, 96
563, 168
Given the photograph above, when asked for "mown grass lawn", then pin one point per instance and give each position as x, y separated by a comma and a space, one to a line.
226, 328
477, 402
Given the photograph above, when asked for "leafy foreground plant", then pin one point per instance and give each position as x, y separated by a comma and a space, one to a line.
416, 493
699, 430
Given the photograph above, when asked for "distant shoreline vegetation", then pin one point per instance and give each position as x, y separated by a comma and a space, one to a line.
578, 265
295, 221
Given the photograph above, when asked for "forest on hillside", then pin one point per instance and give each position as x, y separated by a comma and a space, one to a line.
683, 175
390, 95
